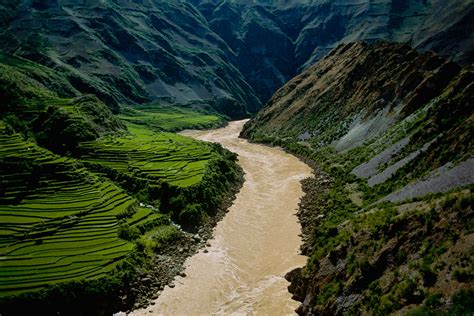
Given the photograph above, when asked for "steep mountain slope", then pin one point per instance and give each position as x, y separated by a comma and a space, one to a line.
285, 37
226, 56
422, 24
356, 92
126, 52
264, 52
86, 200
388, 218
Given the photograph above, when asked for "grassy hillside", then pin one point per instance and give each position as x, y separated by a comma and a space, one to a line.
388, 217
87, 200
171, 118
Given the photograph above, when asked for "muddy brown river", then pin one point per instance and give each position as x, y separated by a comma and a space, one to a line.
254, 245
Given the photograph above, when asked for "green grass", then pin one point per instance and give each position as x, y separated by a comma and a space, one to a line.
62, 220
58, 221
152, 156
171, 118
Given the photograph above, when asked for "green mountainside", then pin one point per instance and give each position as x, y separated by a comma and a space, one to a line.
388, 218
87, 199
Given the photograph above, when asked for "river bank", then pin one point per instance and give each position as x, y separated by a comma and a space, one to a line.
168, 263
242, 269
411, 256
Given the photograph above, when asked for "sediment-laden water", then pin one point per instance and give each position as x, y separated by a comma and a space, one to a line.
253, 246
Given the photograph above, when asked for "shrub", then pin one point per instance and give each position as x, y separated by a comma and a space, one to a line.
191, 215
429, 277
329, 290
433, 300
128, 233
463, 303
56, 130
127, 213
461, 275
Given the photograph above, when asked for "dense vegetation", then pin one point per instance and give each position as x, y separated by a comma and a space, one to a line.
388, 218
87, 199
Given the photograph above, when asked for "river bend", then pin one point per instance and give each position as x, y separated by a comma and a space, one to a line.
255, 244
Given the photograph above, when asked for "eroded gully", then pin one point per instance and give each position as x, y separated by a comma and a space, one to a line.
255, 244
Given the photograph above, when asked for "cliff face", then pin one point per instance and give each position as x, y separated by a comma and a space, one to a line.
391, 133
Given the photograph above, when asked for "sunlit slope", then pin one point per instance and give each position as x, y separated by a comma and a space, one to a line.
151, 156
58, 221
171, 118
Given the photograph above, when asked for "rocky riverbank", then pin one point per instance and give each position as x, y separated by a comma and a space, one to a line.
168, 263
310, 212
409, 257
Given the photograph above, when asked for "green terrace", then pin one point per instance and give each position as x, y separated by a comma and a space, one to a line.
170, 118
151, 156
65, 216
58, 221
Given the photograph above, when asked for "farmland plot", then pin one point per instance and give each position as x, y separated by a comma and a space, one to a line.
58, 221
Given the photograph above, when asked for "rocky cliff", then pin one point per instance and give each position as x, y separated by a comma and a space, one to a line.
388, 218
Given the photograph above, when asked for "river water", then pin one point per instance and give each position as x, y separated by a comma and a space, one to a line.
254, 245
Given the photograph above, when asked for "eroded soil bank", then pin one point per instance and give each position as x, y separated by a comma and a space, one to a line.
242, 269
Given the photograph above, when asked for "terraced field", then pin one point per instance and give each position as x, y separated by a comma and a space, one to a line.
151, 156
171, 118
58, 221
75, 229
